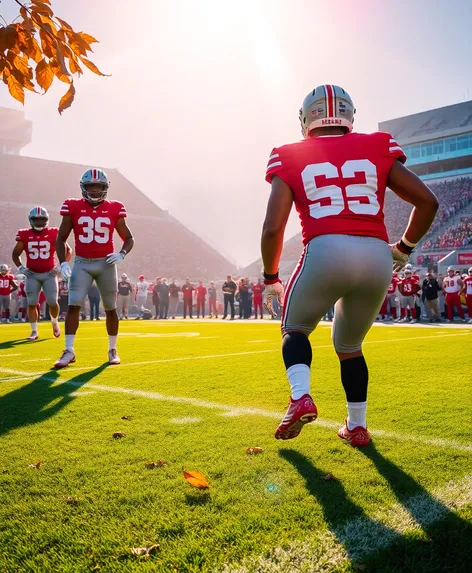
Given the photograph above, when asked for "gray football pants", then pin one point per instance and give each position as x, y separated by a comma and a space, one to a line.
84, 272
38, 281
352, 273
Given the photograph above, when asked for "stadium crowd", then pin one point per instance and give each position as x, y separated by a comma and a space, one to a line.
453, 237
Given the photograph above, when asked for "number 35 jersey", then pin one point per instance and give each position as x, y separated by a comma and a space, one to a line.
338, 182
40, 248
93, 226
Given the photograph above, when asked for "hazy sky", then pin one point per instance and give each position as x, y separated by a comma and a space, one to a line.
201, 91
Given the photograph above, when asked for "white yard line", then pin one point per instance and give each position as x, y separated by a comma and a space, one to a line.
232, 411
8, 355
36, 359
358, 538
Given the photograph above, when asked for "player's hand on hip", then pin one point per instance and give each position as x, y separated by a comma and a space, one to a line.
400, 259
115, 258
66, 271
273, 289
24, 271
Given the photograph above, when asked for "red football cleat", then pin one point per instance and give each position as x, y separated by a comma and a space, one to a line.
299, 412
56, 329
359, 437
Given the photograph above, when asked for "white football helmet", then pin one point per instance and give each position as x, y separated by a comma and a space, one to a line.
451, 269
38, 218
4, 269
470, 271
94, 176
124, 277
326, 106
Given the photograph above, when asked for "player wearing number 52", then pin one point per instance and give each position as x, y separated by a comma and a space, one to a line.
93, 219
337, 180
39, 244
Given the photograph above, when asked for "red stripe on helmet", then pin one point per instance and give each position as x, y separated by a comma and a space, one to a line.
330, 97
94, 174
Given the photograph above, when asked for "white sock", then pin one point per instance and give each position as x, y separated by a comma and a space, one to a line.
112, 341
299, 378
34, 326
54, 320
356, 414
70, 342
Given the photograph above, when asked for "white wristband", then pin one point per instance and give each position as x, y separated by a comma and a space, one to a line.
408, 243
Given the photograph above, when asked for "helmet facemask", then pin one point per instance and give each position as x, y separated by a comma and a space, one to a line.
38, 223
94, 199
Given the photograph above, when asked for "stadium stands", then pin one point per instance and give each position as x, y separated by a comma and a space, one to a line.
164, 247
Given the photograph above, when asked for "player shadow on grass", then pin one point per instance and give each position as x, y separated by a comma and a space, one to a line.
446, 546
40, 400
9, 344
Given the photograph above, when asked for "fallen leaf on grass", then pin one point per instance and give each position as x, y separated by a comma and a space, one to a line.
119, 434
253, 451
126, 417
197, 479
158, 464
145, 551
71, 500
329, 477
36, 465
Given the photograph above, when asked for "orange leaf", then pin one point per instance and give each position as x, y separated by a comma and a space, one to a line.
18, 62
58, 73
152, 465
66, 101
253, 451
64, 24
3, 39
91, 66
44, 75
197, 479
28, 25
60, 58
36, 465
41, 8
46, 44
87, 38
16, 89
11, 37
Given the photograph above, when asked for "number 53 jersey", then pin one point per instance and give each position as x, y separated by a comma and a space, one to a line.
338, 182
40, 248
93, 226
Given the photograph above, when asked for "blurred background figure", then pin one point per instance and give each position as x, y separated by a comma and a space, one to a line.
200, 295
163, 290
212, 300
124, 292
174, 290
94, 300
430, 289
141, 293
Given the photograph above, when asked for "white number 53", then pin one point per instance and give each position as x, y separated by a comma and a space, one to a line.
329, 199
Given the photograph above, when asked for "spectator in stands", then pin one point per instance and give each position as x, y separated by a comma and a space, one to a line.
94, 300
155, 298
431, 288
187, 291
212, 300
174, 290
229, 289
124, 292
200, 296
163, 290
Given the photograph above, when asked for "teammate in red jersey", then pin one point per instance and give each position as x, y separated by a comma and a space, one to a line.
337, 180
8, 285
93, 219
452, 286
39, 244
467, 291
257, 290
408, 288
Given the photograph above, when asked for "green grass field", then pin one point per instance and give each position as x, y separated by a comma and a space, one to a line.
196, 395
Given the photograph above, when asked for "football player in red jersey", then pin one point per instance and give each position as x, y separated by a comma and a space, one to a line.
452, 285
8, 285
93, 219
467, 291
408, 288
39, 244
257, 290
337, 180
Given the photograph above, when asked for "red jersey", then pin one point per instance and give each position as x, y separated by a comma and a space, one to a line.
40, 248
393, 285
5, 284
93, 226
468, 285
257, 291
338, 182
63, 288
416, 278
200, 292
21, 290
408, 287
